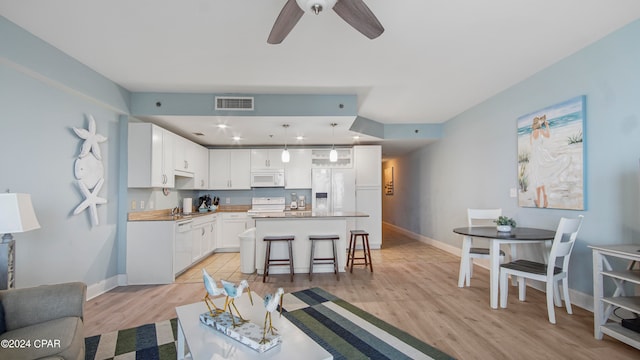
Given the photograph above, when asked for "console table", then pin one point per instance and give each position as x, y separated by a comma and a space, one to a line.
603, 306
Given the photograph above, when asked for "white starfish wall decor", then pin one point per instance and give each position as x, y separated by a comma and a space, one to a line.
89, 170
91, 139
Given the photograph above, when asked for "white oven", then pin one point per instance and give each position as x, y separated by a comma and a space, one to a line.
267, 178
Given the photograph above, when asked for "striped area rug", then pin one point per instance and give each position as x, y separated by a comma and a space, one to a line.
150, 341
348, 332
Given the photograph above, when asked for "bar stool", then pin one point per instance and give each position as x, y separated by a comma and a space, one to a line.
277, 262
327, 260
351, 252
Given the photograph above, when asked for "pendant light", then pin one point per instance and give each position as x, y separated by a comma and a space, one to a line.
285, 153
333, 154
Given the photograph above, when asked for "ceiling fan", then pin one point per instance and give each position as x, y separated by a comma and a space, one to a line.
354, 12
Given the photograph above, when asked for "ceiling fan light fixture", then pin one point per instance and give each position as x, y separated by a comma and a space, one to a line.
315, 6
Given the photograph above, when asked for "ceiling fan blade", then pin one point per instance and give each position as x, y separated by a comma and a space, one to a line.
288, 18
357, 14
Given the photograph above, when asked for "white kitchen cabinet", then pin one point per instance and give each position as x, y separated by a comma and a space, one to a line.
297, 172
212, 228
199, 164
233, 223
369, 201
202, 237
368, 164
201, 168
320, 158
150, 156
229, 169
183, 156
266, 159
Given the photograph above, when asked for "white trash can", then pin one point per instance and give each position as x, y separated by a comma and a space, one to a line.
248, 251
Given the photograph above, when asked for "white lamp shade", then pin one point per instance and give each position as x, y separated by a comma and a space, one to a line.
333, 155
286, 157
16, 213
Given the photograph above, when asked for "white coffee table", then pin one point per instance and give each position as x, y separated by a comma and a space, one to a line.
197, 341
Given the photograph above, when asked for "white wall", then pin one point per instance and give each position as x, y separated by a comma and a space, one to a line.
475, 163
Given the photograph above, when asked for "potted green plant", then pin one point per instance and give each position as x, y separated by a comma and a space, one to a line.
505, 223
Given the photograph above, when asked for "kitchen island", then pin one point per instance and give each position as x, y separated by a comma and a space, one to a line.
301, 224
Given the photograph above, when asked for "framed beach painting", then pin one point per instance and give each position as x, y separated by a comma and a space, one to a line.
551, 156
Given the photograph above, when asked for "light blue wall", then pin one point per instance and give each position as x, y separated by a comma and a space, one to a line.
43, 95
474, 164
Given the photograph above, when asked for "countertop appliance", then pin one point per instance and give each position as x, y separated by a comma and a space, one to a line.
267, 204
333, 190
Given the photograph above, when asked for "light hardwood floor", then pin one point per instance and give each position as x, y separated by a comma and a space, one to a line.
413, 287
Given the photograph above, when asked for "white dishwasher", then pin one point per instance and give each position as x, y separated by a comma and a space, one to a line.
183, 246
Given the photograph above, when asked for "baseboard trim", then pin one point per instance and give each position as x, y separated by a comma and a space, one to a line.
106, 285
579, 299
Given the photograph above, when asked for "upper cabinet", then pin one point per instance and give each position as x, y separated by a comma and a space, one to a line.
183, 156
230, 169
368, 165
197, 178
320, 158
150, 156
266, 159
297, 172
201, 171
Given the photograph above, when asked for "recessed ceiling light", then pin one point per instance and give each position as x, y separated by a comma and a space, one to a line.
222, 126
237, 138
299, 137
356, 137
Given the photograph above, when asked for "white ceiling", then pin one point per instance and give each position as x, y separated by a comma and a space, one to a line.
435, 59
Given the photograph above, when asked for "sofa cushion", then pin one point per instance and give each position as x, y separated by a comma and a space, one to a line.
59, 338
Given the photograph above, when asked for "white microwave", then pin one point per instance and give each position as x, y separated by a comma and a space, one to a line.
267, 178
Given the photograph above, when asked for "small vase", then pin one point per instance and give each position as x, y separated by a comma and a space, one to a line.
504, 228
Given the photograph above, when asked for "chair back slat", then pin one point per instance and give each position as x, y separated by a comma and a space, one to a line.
482, 217
563, 242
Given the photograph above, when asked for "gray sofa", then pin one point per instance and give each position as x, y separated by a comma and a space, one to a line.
46, 320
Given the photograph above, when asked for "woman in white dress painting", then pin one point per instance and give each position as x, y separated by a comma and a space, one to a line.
541, 161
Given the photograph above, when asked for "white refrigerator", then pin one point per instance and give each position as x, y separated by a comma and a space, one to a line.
333, 190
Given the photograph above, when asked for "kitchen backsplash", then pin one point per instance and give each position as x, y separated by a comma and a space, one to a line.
155, 199
243, 197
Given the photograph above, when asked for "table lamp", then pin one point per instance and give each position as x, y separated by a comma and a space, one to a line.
16, 216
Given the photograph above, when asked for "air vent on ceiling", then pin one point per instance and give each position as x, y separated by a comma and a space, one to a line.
234, 103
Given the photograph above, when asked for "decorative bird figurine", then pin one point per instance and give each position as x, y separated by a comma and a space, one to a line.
212, 290
271, 301
234, 292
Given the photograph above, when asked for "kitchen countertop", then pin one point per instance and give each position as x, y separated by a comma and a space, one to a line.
308, 214
165, 214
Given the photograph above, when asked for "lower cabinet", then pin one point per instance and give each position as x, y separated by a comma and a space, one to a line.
232, 225
203, 237
150, 252
157, 251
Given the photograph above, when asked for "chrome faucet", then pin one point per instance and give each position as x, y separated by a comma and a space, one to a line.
175, 211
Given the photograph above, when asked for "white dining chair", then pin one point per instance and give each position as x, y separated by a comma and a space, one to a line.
476, 217
563, 242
